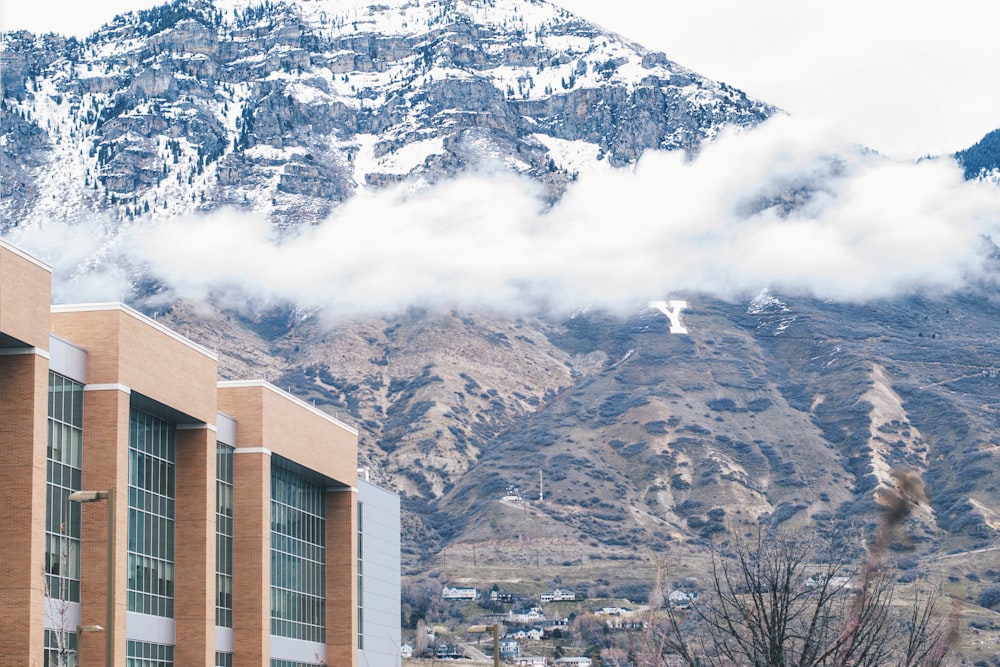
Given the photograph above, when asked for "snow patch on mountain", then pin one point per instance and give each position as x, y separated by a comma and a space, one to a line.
895, 443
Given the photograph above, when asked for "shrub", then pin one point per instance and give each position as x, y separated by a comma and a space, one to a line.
989, 597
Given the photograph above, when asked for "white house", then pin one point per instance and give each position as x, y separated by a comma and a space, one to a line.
836, 583
526, 615
529, 661
406, 651
558, 595
509, 648
575, 662
678, 599
619, 618
614, 611
524, 633
459, 594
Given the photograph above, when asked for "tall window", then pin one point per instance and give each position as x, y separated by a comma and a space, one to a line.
361, 577
151, 494
298, 557
146, 654
224, 536
62, 518
60, 649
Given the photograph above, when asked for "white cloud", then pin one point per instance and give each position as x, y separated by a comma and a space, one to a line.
83, 259
859, 226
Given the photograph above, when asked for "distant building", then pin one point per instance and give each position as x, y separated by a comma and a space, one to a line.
529, 661
621, 618
679, 599
836, 583
504, 596
614, 611
558, 596
406, 651
526, 615
459, 594
509, 648
447, 652
501, 596
527, 633
574, 662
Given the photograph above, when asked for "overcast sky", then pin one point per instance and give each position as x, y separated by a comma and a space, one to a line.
906, 78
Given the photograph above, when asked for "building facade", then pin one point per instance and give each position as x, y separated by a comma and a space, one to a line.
156, 516
379, 633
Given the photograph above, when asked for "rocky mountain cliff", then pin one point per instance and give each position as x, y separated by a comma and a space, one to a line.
291, 107
605, 437
545, 439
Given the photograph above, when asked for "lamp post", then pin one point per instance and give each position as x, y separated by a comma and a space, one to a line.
80, 629
109, 593
496, 639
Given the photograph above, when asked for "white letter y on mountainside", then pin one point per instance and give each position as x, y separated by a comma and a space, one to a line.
672, 309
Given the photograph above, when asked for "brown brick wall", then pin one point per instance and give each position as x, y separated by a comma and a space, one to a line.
342, 577
105, 467
25, 295
23, 443
126, 348
127, 352
194, 582
251, 559
270, 418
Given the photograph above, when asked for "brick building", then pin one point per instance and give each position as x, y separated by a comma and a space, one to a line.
237, 528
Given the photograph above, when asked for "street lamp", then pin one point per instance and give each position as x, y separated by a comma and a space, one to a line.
109, 594
80, 629
496, 639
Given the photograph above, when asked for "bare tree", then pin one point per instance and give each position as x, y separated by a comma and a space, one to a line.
776, 601
420, 640
57, 604
779, 600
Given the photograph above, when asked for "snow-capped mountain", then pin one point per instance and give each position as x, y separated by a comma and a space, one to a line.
290, 107
782, 408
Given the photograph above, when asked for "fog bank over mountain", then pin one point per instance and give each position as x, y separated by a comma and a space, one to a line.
782, 206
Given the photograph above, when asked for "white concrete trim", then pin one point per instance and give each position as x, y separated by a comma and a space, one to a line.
227, 429
53, 615
67, 359
111, 386
252, 450
25, 255
152, 629
297, 650
224, 639
19, 351
196, 427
